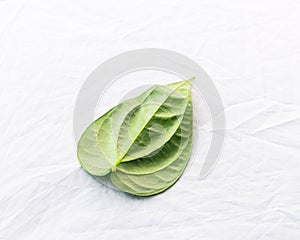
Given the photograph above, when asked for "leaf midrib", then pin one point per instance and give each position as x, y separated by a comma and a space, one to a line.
169, 163
120, 159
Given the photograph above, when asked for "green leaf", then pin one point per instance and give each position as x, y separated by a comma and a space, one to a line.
155, 120
90, 155
146, 141
96, 149
151, 175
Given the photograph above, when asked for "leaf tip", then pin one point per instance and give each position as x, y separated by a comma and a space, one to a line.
190, 79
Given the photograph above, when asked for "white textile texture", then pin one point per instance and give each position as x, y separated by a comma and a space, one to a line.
251, 51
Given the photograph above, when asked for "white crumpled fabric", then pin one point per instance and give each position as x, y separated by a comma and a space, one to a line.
250, 49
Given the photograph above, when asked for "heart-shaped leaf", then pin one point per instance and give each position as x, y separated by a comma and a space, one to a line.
143, 143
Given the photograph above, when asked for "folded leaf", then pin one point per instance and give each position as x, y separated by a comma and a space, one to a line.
149, 126
151, 175
96, 149
143, 143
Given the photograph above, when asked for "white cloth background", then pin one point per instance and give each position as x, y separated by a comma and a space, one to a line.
250, 49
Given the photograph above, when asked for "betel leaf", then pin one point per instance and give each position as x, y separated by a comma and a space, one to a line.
158, 118
98, 155
143, 143
151, 175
